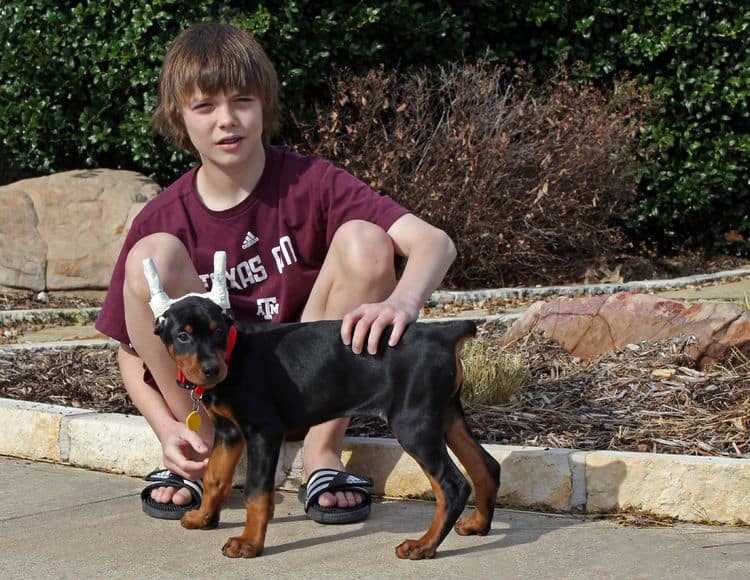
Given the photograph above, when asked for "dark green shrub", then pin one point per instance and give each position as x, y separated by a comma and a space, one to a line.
694, 188
78, 81
695, 184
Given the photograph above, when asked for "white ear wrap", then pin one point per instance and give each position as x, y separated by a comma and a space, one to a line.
219, 292
160, 302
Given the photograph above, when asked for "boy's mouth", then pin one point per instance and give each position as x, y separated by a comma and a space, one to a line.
229, 140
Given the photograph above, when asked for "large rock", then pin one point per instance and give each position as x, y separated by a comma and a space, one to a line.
23, 252
64, 231
589, 326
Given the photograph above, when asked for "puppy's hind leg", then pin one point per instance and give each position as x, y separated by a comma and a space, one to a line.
426, 444
483, 470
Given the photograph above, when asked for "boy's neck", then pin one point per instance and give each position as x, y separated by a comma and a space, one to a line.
220, 188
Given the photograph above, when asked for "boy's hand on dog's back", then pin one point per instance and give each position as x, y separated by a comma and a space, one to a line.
368, 321
185, 452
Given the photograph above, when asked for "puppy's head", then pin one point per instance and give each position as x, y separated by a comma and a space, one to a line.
195, 332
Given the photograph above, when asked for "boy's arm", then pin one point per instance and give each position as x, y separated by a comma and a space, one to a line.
179, 444
429, 253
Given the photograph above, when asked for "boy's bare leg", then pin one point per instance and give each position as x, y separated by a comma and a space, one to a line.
358, 269
165, 409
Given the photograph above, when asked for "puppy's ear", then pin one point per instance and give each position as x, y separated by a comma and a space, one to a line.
159, 325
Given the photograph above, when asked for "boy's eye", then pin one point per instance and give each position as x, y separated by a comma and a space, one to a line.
244, 98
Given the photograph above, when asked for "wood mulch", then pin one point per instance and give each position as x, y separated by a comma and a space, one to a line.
647, 397
79, 377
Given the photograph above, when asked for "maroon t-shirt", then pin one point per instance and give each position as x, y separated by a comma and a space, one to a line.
275, 240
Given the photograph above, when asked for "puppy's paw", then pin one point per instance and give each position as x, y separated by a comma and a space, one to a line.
473, 525
238, 547
196, 520
413, 550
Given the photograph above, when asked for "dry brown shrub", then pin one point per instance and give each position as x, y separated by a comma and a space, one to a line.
491, 376
530, 181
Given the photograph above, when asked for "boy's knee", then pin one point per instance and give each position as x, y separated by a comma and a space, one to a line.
165, 249
364, 249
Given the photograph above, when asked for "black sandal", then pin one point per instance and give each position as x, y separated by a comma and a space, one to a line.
333, 480
169, 511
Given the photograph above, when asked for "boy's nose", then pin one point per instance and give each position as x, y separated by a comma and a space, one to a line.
226, 116
226, 120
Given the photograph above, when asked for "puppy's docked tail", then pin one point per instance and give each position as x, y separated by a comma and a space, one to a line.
459, 330
457, 333
160, 301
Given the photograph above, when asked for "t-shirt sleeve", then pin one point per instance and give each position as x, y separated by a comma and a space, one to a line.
343, 198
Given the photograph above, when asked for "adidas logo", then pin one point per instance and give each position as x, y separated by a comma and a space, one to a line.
250, 239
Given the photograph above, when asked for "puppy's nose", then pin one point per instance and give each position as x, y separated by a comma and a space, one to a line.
210, 369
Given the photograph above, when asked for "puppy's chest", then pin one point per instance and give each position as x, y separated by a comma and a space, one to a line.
242, 406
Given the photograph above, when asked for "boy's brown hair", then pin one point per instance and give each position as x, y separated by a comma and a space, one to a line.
213, 57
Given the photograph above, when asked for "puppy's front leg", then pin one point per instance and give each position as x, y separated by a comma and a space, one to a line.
262, 455
217, 481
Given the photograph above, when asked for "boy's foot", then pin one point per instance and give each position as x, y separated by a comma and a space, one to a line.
335, 483
331, 460
175, 495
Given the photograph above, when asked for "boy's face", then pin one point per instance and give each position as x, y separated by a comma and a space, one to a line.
226, 128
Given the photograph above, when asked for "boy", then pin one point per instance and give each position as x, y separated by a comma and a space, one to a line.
304, 241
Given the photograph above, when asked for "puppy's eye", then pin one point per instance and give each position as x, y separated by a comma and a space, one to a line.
183, 337
219, 333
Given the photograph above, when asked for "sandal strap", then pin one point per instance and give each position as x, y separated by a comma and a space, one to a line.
166, 478
331, 480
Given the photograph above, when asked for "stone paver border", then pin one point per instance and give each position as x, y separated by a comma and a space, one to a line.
85, 315
450, 297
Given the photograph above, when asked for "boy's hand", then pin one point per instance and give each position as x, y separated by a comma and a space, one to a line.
370, 320
185, 452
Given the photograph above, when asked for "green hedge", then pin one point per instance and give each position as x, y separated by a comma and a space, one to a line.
695, 183
77, 83
694, 178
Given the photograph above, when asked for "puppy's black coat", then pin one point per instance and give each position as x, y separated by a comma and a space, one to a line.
283, 377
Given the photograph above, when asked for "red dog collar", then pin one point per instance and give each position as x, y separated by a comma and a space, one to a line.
198, 389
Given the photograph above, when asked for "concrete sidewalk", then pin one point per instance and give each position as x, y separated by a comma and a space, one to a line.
62, 522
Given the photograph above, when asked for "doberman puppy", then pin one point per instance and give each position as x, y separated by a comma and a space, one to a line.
281, 377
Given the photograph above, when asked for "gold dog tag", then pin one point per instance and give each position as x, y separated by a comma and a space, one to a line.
193, 420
